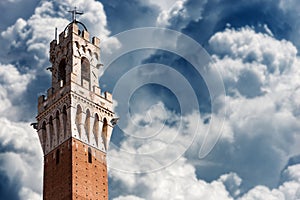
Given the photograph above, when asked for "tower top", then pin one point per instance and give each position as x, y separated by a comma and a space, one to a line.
74, 21
74, 13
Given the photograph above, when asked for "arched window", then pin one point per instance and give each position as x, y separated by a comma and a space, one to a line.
96, 128
85, 72
87, 124
78, 120
62, 72
51, 130
64, 116
57, 126
89, 155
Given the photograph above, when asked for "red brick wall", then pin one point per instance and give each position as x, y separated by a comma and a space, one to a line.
58, 177
74, 177
89, 179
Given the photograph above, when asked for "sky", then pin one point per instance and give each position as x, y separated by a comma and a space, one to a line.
208, 95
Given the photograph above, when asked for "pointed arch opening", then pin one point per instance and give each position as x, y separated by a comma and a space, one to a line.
65, 122
78, 119
104, 127
44, 136
96, 128
58, 129
87, 124
62, 72
85, 73
51, 130
104, 132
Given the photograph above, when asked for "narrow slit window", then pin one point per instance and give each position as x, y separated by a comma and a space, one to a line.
65, 121
51, 130
62, 72
57, 126
57, 156
89, 155
78, 119
44, 135
87, 124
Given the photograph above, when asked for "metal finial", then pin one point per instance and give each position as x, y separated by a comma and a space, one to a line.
74, 13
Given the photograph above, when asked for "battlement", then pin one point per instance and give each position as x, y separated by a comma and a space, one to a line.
71, 29
75, 60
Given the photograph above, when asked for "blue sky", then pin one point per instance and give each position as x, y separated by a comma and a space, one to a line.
220, 123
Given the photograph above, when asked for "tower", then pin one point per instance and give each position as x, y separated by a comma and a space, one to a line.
74, 120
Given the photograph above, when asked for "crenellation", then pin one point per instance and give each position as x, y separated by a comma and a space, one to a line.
108, 96
86, 35
73, 28
96, 41
49, 92
61, 37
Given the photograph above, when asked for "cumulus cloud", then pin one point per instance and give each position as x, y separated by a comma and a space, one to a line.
260, 78
34, 35
289, 190
178, 14
232, 183
129, 197
155, 141
21, 159
175, 10
178, 181
261, 125
13, 85
245, 44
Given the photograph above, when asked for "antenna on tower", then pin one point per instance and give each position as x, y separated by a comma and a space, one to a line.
55, 33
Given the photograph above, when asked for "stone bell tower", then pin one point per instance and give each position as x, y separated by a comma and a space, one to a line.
74, 121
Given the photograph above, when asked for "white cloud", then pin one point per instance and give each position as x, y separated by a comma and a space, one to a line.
262, 122
260, 75
261, 193
14, 31
13, 85
35, 34
251, 47
21, 157
288, 190
163, 5
129, 197
179, 13
27, 193
174, 10
155, 139
177, 181
232, 183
